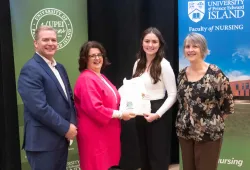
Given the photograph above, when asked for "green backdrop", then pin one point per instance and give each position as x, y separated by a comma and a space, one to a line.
69, 18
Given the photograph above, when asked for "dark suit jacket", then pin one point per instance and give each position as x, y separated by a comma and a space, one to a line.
47, 111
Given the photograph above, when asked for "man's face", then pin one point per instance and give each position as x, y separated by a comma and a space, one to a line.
46, 44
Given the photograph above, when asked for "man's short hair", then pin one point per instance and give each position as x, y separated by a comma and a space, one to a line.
43, 28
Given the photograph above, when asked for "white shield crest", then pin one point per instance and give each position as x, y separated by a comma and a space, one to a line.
196, 10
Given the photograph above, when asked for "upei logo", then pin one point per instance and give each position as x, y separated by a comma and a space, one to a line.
57, 19
196, 10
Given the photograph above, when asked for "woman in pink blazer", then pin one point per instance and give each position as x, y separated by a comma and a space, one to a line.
97, 103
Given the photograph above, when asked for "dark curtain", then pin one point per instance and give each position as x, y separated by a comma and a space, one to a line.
118, 25
10, 150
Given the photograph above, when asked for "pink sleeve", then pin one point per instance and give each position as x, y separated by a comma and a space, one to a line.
91, 101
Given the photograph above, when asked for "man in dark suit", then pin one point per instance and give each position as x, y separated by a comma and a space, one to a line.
49, 113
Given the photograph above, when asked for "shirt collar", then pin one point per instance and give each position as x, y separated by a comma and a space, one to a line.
50, 63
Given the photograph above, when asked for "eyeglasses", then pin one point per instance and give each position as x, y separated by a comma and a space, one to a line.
94, 56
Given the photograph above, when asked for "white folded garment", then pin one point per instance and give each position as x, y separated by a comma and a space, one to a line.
134, 97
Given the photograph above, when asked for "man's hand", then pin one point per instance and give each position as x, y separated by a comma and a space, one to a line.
150, 117
127, 116
72, 132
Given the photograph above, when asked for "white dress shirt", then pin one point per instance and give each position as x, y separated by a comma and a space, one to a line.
52, 65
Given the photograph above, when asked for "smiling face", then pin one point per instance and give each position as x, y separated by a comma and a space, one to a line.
192, 52
46, 43
151, 44
195, 47
95, 60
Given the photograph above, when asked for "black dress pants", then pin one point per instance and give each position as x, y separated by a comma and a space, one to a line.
130, 152
155, 139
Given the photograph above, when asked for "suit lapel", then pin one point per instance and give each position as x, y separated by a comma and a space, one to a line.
65, 81
46, 68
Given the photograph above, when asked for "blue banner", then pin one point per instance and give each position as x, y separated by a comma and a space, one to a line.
226, 26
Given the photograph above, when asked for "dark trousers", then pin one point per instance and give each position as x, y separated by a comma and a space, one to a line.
49, 160
200, 155
155, 139
130, 152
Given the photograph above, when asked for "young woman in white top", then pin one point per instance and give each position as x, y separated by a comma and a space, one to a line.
154, 129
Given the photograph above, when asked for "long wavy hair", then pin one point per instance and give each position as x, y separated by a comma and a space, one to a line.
155, 68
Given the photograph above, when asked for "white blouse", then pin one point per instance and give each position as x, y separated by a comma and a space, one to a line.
157, 91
